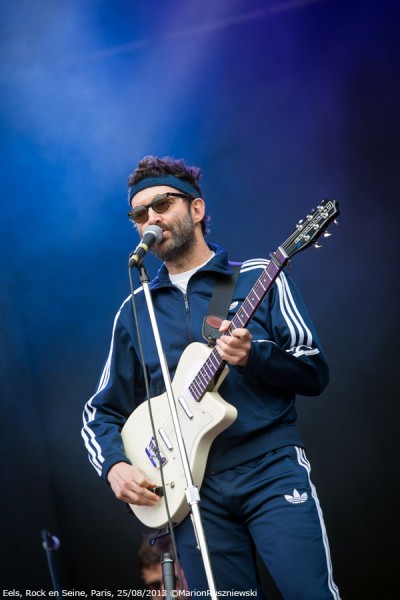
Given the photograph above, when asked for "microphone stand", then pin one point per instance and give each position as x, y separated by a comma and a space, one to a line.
192, 491
168, 575
50, 545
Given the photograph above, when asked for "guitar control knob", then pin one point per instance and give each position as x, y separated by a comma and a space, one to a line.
158, 490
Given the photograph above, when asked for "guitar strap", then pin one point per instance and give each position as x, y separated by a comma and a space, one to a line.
219, 305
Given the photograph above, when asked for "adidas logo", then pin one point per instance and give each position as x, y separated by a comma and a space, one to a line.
296, 498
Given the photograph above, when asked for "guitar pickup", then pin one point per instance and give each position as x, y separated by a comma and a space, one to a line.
165, 439
185, 407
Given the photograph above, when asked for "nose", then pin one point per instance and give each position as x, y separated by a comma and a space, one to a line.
153, 218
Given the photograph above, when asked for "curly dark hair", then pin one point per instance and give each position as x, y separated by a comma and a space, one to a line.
150, 555
153, 166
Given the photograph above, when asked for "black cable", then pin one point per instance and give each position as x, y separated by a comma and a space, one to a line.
158, 452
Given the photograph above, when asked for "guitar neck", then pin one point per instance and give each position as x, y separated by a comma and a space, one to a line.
212, 367
259, 290
307, 231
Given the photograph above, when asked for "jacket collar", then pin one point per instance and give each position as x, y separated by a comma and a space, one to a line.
219, 264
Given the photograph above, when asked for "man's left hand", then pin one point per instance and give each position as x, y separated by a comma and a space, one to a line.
235, 348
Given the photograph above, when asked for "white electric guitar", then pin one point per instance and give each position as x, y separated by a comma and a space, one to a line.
202, 412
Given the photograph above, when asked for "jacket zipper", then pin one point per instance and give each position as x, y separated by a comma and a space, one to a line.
187, 308
186, 304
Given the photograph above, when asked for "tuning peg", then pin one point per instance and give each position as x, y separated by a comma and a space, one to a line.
317, 245
327, 234
336, 223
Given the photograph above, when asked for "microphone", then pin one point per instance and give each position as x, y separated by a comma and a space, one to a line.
168, 574
152, 235
50, 542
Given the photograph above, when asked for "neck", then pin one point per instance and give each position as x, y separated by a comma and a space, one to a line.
197, 255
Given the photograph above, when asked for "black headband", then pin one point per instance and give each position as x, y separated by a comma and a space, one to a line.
175, 182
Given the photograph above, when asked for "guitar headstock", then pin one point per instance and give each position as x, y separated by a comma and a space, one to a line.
312, 227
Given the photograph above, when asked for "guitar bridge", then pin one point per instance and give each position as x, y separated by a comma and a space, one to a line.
155, 454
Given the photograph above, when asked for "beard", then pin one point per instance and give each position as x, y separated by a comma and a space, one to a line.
181, 241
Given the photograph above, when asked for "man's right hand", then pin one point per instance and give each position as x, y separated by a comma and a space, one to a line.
131, 485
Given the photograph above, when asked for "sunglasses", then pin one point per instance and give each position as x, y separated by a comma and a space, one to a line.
160, 204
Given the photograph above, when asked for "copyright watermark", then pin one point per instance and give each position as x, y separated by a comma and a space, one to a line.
220, 593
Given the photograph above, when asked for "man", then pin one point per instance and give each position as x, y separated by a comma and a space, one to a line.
256, 493
149, 561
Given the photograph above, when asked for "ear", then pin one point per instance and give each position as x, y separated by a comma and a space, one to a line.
198, 209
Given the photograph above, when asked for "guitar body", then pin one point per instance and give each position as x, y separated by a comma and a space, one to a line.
201, 422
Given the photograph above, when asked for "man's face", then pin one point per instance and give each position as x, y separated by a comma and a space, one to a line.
152, 577
176, 223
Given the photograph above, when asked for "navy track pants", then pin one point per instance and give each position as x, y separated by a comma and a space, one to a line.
269, 504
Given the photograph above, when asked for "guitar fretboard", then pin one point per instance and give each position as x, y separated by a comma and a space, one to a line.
214, 362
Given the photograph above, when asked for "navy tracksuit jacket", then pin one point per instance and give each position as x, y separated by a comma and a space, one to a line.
285, 359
